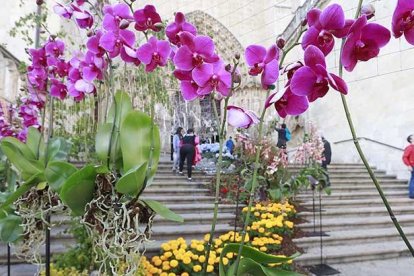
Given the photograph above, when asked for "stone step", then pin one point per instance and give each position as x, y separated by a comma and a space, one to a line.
351, 223
183, 177
179, 184
357, 212
354, 253
55, 247
353, 195
355, 236
366, 188
154, 190
328, 203
20, 269
174, 199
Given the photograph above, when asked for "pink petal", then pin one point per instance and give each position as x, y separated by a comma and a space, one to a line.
109, 23
338, 84
144, 53
164, 51
348, 58
151, 66
188, 91
255, 54
269, 101
89, 74
179, 18
202, 74
313, 17
202, 91
303, 81
313, 56
254, 118
122, 10
377, 33
84, 86
270, 73
128, 37
272, 53
340, 33
204, 45
310, 37
409, 35
236, 117
183, 59
107, 41
318, 92
187, 39
296, 104
332, 17
182, 75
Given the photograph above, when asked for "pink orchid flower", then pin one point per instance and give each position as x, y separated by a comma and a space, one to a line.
403, 20
195, 50
174, 29
93, 44
129, 55
313, 80
147, 19
154, 53
114, 14
188, 86
38, 57
323, 26
240, 118
82, 17
93, 67
64, 11
363, 42
287, 103
113, 42
55, 47
58, 89
264, 62
210, 77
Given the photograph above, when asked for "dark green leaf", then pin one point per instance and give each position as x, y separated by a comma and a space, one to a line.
35, 142
123, 107
57, 172
78, 189
10, 228
132, 182
249, 267
137, 136
22, 147
59, 149
102, 141
162, 210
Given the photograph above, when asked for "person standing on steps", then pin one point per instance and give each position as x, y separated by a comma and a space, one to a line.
187, 151
230, 145
283, 136
408, 159
326, 154
176, 147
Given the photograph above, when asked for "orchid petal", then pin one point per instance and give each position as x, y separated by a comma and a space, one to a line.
255, 54
183, 59
338, 84
303, 81
188, 90
332, 17
202, 74
313, 56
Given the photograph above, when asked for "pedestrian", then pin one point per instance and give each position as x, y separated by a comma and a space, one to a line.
176, 147
326, 154
408, 159
230, 145
187, 151
283, 136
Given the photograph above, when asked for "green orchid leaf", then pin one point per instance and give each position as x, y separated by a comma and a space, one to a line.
103, 140
34, 180
132, 182
41, 186
249, 267
22, 147
122, 106
57, 172
162, 210
10, 228
58, 149
13, 149
137, 136
253, 254
78, 189
35, 143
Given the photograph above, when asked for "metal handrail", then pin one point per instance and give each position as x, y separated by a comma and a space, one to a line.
369, 140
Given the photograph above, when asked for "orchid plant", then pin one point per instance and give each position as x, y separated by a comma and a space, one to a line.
107, 196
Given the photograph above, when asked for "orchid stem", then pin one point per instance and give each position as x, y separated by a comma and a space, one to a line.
363, 158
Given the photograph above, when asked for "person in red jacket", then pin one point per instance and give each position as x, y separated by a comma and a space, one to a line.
408, 159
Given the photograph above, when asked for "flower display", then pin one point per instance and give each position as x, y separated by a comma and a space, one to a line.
263, 62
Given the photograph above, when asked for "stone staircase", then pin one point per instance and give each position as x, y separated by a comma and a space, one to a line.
189, 199
355, 219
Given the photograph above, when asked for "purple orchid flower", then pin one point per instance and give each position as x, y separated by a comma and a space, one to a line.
37, 77
55, 47
38, 57
287, 103
113, 42
114, 14
147, 19
188, 86
93, 67
403, 20
58, 66
82, 17
195, 50
240, 118
363, 42
174, 29
312, 80
58, 89
93, 44
130, 55
211, 77
263, 62
154, 53
64, 11
323, 26
80, 2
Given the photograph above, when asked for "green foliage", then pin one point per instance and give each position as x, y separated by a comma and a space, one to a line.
57, 172
10, 228
254, 262
132, 182
162, 210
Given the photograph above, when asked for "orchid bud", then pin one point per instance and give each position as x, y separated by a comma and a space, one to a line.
53, 37
280, 42
89, 33
124, 24
304, 22
236, 78
159, 25
42, 31
237, 56
39, 2
228, 67
368, 10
